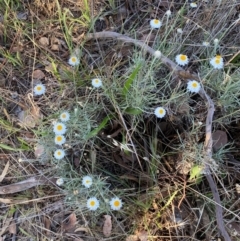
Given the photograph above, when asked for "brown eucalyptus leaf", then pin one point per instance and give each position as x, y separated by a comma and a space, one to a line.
26, 119
220, 139
142, 235
39, 150
55, 47
44, 41
38, 74
12, 227
70, 224
107, 226
234, 228
132, 238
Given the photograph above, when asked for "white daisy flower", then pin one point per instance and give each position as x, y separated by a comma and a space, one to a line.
157, 54
168, 13
193, 86
74, 61
59, 154
116, 203
39, 89
87, 181
60, 181
182, 59
206, 44
160, 112
179, 30
155, 23
93, 204
217, 62
59, 139
193, 5
59, 128
65, 116
96, 82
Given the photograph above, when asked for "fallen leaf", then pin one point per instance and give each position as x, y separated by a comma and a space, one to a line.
70, 224
26, 120
132, 238
4, 172
235, 228
12, 227
220, 139
47, 224
30, 117
55, 44
38, 150
195, 172
107, 226
38, 74
18, 48
55, 47
44, 41
142, 235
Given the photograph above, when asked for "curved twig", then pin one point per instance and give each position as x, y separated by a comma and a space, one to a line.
126, 39
208, 139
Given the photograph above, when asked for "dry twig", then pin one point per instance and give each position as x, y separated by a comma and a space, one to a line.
26, 184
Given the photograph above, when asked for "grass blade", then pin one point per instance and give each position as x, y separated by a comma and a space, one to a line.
130, 80
100, 127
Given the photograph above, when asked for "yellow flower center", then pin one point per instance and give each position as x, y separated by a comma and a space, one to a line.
63, 115
59, 153
59, 127
74, 59
194, 85
116, 203
161, 111
156, 21
39, 88
92, 203
87, 181
217, 61
218, 57
96, 81
59, 138
183, 57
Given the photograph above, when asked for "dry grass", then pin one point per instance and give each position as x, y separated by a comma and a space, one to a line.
113, 134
